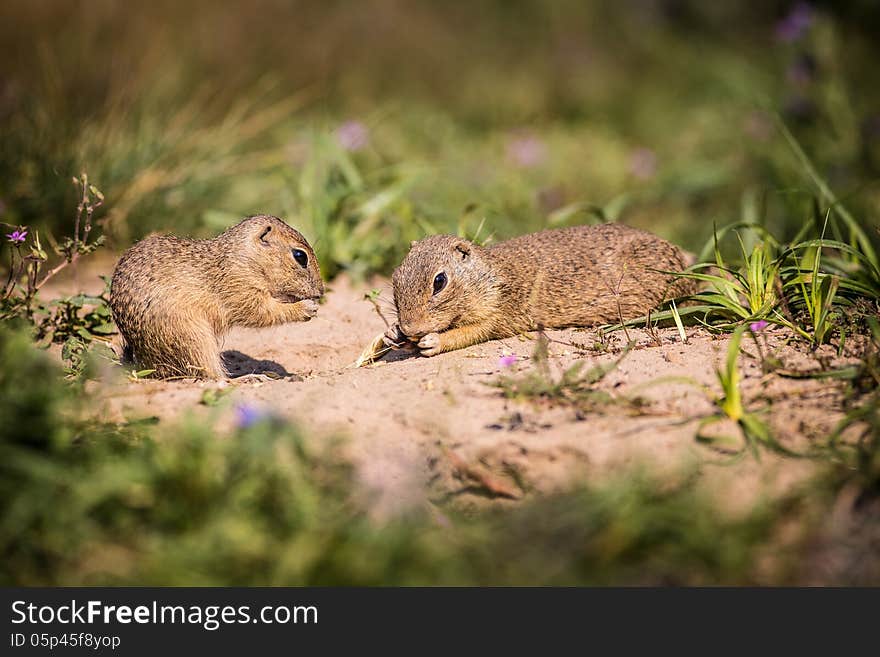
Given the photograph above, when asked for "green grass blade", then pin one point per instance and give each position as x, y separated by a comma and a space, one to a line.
828, 195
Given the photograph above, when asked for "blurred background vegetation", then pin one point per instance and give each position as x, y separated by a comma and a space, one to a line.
370, 123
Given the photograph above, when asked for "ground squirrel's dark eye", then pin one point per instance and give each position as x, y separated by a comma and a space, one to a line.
439, 282
300, 256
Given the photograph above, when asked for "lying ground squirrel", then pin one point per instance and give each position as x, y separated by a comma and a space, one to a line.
451, 293
173, 299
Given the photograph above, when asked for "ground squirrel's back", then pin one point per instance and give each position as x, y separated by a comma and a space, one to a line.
584, 275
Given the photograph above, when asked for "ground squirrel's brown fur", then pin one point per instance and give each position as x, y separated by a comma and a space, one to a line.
173, 299
451, 293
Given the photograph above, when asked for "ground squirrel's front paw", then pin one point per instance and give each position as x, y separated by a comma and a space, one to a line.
430, 344
393, 337
302, 311
309, 308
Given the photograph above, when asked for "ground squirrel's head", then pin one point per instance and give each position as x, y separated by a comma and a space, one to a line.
442, 281
283, 260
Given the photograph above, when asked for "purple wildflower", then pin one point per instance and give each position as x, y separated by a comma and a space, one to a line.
247, 415
507, 361
793, 26
17, 236
353, 135
526, 151
760, 325
643, 163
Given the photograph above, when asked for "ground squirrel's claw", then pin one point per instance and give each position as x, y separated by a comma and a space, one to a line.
394, 338
430, 344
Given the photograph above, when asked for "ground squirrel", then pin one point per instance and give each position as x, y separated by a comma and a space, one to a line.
451, 293
173, 299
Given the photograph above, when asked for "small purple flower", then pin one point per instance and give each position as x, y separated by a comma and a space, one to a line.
17, 236
353, 135
507, 361
795, 24
526, 151
247, 415
760, 325
643, 163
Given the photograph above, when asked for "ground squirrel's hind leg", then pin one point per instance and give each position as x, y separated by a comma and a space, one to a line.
122, 348
182, 349
456, 338
205, 363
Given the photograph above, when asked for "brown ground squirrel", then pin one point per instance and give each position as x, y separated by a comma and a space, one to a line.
173, 299
451, 293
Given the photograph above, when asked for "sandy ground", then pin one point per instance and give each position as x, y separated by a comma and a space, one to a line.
435, 428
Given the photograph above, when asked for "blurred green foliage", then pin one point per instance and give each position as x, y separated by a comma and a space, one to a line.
521, 113
84, 502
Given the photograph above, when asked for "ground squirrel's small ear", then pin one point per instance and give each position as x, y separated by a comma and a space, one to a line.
264, 234
464, 248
